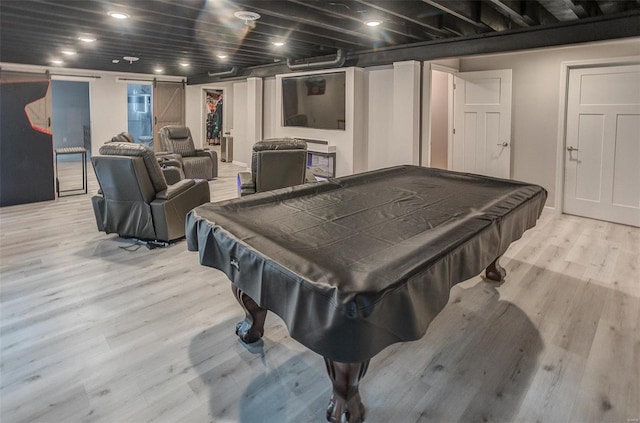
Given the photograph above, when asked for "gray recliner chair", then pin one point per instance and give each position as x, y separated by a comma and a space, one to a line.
134, 199
275, 163
171, 164
196, 164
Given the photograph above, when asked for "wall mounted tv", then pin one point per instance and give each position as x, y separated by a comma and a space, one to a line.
314, 101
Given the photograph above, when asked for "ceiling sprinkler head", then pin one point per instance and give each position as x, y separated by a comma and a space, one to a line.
247, 16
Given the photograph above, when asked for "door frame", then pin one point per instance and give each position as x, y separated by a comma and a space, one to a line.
563, 94
203, 112
425, 157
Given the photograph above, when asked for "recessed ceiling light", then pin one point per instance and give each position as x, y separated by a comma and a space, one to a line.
184, 64
118, 15
87, 38
57, 62
158, 70
131, 59
115, 61
68, 52
221, 56
278, 43
373, 22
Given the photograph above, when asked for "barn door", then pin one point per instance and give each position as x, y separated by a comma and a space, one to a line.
168, 106
482, 123
602, 151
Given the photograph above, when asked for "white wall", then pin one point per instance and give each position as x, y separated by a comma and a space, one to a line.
194, 108
269, 109
108, 100
241, 146
254, 112
247, 119
439, 119
393, 119
535, 114
380, 115
406, 108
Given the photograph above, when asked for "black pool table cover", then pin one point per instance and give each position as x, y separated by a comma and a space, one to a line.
357, 263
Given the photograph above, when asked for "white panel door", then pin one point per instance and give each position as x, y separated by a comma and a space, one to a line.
482, 123
602, 155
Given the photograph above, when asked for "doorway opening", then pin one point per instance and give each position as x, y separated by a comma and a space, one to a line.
71, 117
214, 111
140, 113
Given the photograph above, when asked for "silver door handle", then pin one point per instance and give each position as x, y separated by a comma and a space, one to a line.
503, 144
571, 148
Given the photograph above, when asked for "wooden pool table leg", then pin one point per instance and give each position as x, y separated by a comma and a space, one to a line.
495, 272
345, 405
251, 328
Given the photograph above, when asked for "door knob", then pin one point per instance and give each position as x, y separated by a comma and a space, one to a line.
571, 148
503, 144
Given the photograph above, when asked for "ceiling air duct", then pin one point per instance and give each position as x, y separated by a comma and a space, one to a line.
230, 72
335, 63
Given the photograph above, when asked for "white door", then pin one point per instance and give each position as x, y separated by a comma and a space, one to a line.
482, 123
602, 154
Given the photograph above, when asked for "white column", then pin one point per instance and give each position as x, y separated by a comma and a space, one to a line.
254, 110
403, 147
247, 119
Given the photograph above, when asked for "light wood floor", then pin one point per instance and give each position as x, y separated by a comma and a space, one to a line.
97, 329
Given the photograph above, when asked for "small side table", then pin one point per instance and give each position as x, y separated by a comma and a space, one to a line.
73, 150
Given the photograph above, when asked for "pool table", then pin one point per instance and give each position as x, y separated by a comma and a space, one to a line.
357, 263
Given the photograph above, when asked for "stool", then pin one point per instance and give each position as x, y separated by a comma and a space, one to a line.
73, 150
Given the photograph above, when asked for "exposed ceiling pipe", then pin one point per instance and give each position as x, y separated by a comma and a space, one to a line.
335, 63
230, 72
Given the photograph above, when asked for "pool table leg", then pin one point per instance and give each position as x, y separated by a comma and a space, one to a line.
251, 328
345, 405
495, 272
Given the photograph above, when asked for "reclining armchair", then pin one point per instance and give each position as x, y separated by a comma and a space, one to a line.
134, 199
275, 163
196, 164
171, 164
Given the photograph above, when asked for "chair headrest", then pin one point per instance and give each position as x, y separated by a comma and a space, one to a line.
138, 150
280, 144
123, 137
178, 131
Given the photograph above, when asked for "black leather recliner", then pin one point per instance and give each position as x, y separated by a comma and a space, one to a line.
275, 163
196, 163
134, 198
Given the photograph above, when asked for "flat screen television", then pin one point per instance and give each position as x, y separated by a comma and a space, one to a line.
314, 101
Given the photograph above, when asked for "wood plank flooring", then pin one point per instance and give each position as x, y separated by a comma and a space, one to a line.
95, 328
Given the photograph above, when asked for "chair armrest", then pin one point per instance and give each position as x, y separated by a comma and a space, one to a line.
170, 162
172, 174
175, 189
246, 185
211, 153
164, 156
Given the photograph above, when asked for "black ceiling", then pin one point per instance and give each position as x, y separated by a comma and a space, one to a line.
164, 33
